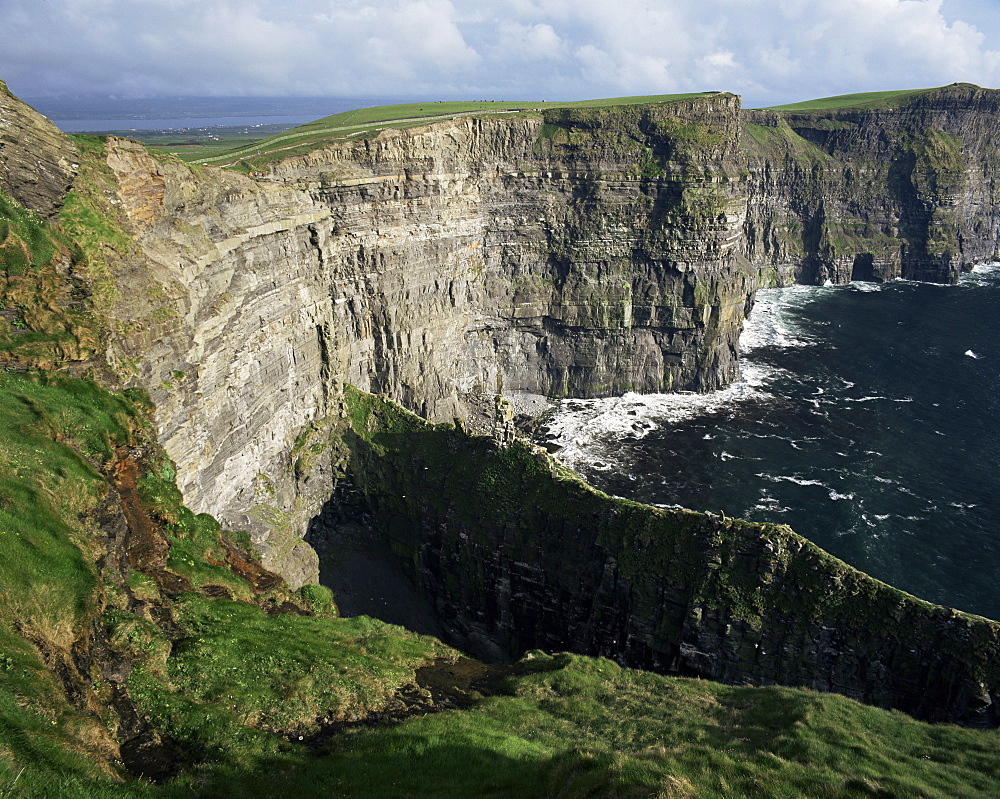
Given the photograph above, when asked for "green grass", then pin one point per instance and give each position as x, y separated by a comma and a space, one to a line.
571, 726
368, 121
240, 681
886, 99
55, 435
223, 677
42, 321
54, 432
24, 241
589, 727
314, 671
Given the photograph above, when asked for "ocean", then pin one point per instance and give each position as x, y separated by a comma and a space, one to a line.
867, 419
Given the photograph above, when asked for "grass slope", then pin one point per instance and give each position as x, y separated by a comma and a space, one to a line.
886, 99
368, 121
571, 726
223, 680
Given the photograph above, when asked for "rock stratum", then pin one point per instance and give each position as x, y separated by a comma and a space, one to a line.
568, 252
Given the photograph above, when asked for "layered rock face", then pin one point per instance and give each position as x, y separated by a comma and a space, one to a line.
909, 191
224, 324
570, 252
585, 253
37, 162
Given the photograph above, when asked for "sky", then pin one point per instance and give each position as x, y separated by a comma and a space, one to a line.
769, 51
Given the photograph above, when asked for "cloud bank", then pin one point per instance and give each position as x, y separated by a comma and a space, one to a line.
768, 50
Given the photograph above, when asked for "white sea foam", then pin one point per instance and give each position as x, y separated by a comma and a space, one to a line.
585, 431
981, 275
579, 426
859, 285
873, 399
771, 322
784, 478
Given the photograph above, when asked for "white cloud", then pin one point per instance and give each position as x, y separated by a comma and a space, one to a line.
773, 50
537, 42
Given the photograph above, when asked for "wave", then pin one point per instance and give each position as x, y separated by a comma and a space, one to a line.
859, 285
579, 427
772, 321
981, 275
784, 478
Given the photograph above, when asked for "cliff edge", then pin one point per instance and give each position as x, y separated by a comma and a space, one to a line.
564, 252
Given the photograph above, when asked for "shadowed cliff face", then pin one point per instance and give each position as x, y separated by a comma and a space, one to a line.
513, 553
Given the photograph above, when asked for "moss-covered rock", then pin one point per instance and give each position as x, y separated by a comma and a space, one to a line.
506, 544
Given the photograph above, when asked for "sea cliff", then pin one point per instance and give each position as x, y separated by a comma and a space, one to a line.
585, 252
514, 552
564, 252
904, 190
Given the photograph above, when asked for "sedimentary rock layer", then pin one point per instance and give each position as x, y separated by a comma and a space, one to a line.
583, 253
37, 162
864, 193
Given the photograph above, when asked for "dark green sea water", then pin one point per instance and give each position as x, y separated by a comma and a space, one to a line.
868, 420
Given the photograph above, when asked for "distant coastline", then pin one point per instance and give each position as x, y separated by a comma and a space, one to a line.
101, 125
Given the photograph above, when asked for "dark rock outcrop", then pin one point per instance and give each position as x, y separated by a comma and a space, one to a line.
37, 161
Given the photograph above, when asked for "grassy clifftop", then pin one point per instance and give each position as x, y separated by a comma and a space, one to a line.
367, 122
886, 99
194, 671
140, 641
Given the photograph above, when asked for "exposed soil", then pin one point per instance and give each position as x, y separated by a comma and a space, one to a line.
145, 547
260, 579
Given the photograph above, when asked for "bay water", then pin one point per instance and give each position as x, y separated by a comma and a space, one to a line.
867, 419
